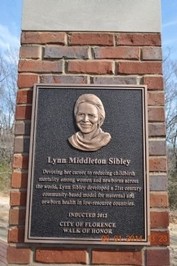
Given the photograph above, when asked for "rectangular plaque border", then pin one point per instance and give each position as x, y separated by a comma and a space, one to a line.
87, 241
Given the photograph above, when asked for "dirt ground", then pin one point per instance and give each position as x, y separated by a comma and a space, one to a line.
4, 213
173, 237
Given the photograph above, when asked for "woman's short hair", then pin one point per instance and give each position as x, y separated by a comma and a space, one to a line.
94, 100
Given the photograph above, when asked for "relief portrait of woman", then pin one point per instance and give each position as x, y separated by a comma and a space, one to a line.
89, 116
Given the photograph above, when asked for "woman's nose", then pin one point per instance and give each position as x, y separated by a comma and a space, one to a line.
85, 118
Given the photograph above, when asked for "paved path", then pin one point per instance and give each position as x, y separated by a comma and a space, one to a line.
4, 216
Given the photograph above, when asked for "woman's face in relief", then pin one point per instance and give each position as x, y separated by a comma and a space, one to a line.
87, 118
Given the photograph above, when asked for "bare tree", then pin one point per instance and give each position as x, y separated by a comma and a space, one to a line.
8, 88
170, 82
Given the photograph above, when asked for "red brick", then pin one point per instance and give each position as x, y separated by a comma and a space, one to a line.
66, 79
158, 200
156, 114
115, 80
30, 52
38, 66
22, 128
116, 52
155, 99
66, 52
159, 238
55, 255
18, 255
21, 145
104, 39
157, 130
153, 83
27, 80
16, 235
20, 161
90, 67
157, 164
117, 257
43, 37
158, 182
157, 147
151, 53
158, 257
16, 217
19, 180
24, 96
23, 112
139, 39
139, 68
17, 198
159, 219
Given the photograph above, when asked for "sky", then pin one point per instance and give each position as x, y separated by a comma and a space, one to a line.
10, 24
169, 27
11, 16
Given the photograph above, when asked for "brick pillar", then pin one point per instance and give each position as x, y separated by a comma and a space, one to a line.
70, 57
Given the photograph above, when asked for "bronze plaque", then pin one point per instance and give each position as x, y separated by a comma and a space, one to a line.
88, 169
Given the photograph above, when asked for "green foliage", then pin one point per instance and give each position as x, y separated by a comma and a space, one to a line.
5, 174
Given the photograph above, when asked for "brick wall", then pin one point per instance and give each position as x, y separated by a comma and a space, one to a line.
90, 58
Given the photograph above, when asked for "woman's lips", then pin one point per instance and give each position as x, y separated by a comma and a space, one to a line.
84, 125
